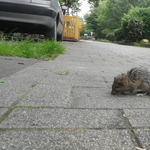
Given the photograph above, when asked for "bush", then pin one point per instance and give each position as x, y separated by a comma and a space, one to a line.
119, 35
105, 32
136, 24
110, 36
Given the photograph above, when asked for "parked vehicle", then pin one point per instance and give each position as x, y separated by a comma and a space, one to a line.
32, 16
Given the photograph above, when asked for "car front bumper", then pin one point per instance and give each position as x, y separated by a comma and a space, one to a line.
27, 13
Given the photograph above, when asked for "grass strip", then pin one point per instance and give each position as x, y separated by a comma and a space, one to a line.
15, 103
45, 49
6, 114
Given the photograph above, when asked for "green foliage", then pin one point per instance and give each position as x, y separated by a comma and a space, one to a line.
119, 35
63, 73
74, 5
136, 24
94, 3
105, 32
84, 28
110, 13
136, 44
29, 49
105, 20
91, 22
140, 3
110, 36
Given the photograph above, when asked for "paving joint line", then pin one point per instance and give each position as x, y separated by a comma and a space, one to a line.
57, 129
133, 137
20, 71
70, 99
12, 107
69, 108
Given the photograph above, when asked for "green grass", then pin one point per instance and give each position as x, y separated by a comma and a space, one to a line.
46, 49
73, 86
102, 40
63, 73
136, 44
33, 85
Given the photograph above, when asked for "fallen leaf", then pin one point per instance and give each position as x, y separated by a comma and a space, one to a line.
73, 129
124, 115
134, 140
135, 127
139, 148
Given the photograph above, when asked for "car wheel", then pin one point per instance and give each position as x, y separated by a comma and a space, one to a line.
52, 34
60, 37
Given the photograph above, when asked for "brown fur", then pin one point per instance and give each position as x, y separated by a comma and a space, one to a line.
123, 85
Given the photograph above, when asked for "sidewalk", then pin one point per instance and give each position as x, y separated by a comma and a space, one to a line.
42, 109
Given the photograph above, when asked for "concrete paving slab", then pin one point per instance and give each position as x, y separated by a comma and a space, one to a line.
91, 92
88, 97
11, 65
83, 99
143, 136
18, 84
88, 83
58, 79
10, 93
138, 117
29, 75
110, 103
52, 95
63, 119
66, 140
2, 111
75, 80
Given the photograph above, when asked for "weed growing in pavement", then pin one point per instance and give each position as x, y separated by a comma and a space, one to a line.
33, 85
1, 81
105, 80
73, 86
45, 49
63, 73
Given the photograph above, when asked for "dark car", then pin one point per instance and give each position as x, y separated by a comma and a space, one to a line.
32, 16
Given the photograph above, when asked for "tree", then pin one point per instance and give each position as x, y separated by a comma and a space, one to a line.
140, 3
94, 3
106, 18
91, 22
136, 24
74, 5
84, 28
110, 13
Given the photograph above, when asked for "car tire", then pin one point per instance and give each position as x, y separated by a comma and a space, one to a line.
60, 37
52, 33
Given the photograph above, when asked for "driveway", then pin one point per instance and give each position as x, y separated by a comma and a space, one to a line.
66, 103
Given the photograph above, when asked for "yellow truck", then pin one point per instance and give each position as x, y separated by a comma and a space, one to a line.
72, 28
